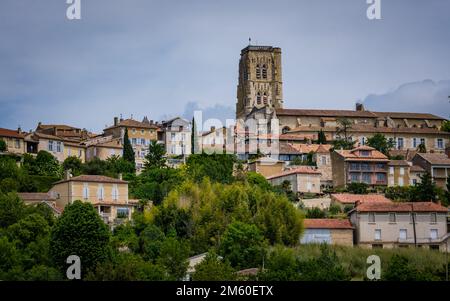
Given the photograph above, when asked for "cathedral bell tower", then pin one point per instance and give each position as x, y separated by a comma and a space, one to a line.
260, 83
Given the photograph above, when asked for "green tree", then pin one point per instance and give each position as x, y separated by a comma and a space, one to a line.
326, 267
243, 245
43, 273
321, 138
422, 148
3, 146
174, 255
446, 201
217, 167
445, 126
47, 165
128, 152
358, 188
12, 209
213, 268
399, 268
116, 165
257, 179
194, 138
156, 156
73, 164
29, 229
381, 143
426, 189
315, 212
281, 265
79, 231
151, 240
95, 167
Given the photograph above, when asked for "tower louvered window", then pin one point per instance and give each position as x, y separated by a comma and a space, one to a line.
258, 71
264, 72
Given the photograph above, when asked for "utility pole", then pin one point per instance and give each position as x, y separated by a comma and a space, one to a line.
414, 224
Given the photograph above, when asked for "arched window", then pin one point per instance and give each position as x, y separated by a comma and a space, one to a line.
264, 71
265, 98
258, 71
258, 98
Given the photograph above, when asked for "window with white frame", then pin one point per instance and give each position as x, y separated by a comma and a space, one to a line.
434, 233
143, 141
371, 217
402, 171
58, 147
115, 192
415, 143
172, 136
100, 192
400, 181
85, 191
377, 234
403, 234
433, 218
440, 143
133, 141
391, 170
362, 140
422, 141
400, 143
17, 143
50, 145
392, 217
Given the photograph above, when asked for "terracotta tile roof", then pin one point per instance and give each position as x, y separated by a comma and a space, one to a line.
315, 148
133, 123
352, 155
351, 113
288, 149
11, 133
350, 198
58, 126
435, 158
370, 128
93, 178
35, 196
296, 137
324, 113
327, 223
401, 207
407, 154
398, 163
297, 170
416, 168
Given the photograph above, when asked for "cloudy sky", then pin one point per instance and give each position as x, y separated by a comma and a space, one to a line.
165, 58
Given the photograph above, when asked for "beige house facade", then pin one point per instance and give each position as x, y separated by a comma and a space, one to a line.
329, 231
399, 173
14, 139
303, 179
140, 133
389, 225
108, 195
437, 164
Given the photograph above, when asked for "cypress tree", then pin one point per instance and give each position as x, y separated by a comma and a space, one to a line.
128, 153
321, 138
193, 137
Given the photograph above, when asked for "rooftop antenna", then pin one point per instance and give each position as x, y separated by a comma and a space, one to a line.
250, 42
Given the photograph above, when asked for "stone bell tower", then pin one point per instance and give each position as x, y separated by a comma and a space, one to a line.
260, 83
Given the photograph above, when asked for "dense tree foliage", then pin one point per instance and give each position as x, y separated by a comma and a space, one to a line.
381, 143
3, 146
80, 231
73, 164
321, 138
213, 268
217, 167
358, 188
156, 156
128, 152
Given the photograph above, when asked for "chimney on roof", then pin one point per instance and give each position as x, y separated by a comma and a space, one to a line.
116, 121
19, 130
360, 107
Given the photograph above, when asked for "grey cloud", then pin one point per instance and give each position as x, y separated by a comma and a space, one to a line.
426, 96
